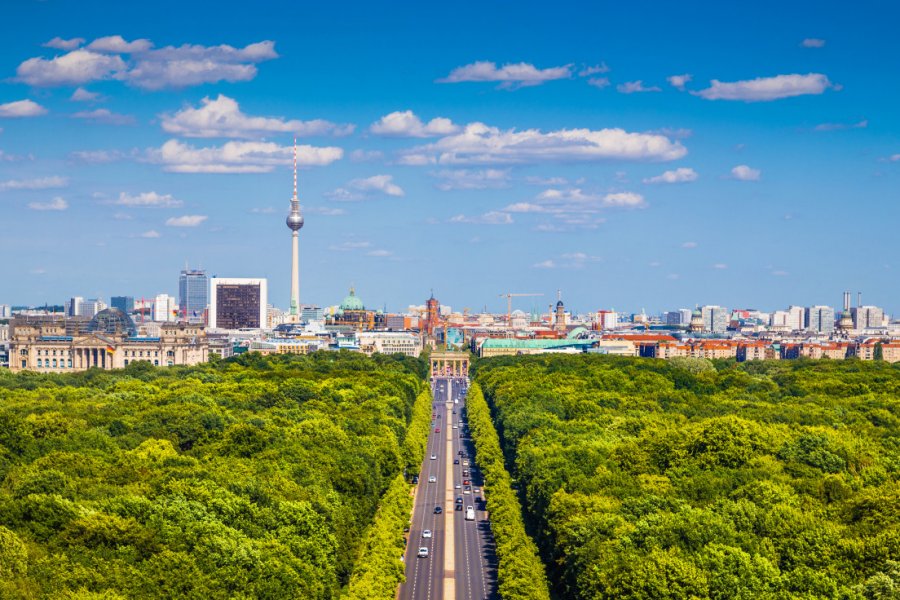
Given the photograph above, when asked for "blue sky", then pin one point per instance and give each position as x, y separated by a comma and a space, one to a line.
634, 155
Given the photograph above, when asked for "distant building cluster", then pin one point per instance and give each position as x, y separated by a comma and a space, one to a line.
224, 316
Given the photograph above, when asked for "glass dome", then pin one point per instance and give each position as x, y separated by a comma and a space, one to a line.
112, 321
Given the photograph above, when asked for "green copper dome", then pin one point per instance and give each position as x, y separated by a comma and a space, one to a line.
352, 302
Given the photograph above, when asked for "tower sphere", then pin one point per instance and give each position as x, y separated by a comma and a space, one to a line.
294, 221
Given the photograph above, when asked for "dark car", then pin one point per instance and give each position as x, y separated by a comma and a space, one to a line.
459, 499
415, 479
455, 461
459, 506
438, 510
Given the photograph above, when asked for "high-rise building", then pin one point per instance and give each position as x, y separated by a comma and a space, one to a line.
164, 308
715, 318
5, 311
867, 317
680, 317
295, 224
193, 295
123, 303
91, 307
607, 319
820, 319
237, 303
796, 320
73, 306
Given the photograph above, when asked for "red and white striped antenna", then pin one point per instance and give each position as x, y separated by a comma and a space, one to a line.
295, 168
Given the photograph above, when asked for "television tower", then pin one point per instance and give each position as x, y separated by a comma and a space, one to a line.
295, 224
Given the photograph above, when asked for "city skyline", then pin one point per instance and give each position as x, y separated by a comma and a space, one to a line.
763, 174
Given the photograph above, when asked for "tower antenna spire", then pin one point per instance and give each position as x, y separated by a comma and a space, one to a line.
294, 198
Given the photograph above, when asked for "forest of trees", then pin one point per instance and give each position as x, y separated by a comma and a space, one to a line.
694, 479
248, 478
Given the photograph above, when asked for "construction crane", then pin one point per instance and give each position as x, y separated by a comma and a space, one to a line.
509, 296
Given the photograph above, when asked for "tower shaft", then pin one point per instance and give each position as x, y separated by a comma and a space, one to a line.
295, 273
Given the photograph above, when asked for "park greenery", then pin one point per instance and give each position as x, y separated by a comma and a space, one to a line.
520, 574
253, 477
697, 479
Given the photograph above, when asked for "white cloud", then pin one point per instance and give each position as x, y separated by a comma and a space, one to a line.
481, 144
366, 155
58, 203
238, 157
326, 211
104, 116
42, 183
593, 70
22, 108
633, 87
680, 175
745, 173
379, 253
525, 207
764, 89
780, 273
97, 156
222, 117
493, 217
679, 81
147, 68
349, 246
359, 189
74, 68
840, 126
186, 221
894, 158
187, 65
569, 260
61, 44
406, 124
533, 180
813, 43
599, 82
147, 199
689, 245
116, 44
720, 266
466, 179
511, 76
624, 200
151, 234
83, 95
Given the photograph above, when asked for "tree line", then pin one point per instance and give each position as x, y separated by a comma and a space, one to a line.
254, 477
699, 479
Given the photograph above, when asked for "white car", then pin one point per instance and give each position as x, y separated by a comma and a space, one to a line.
434, 457
423, 552
432, 479
457, 486
456, 427
426, 533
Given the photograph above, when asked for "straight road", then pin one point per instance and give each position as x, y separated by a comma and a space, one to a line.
462, 561
424, 576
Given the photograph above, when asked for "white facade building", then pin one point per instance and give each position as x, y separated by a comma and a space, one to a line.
390, 342
165, 308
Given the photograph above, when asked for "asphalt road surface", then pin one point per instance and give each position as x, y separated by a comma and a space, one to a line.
461, 560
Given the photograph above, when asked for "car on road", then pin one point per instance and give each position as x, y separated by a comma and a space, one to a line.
423, 552
426, 533
467, 481
438, 510
432, 479
470, 513
459, 506
457, 487
434, 457
455, 461
437, 429
477, 490
456, 427
459, 499
461, 453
